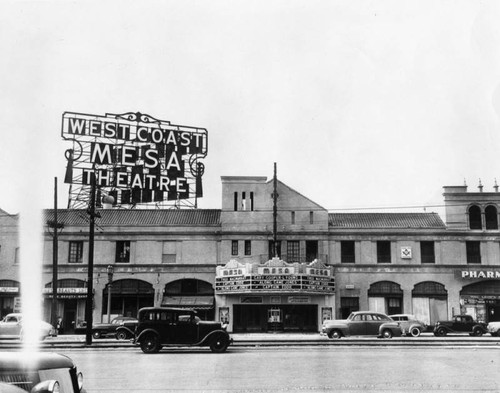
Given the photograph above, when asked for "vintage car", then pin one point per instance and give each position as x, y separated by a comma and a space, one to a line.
120, 327
362, 323
40, 372
409, 324
11, 327
162, 326
460, 324
494, 328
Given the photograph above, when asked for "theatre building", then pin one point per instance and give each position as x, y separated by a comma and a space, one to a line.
271, 260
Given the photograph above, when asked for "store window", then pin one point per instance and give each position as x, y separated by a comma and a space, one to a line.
75, 252
475, 217
473, 251
384, 252
347, 252
491, 217
293, 251
123, 251
234, 247
248, 247
427, 253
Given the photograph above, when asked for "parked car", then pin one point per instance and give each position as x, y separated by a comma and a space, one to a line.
163, 326
362, 323
460, 324
409, 324
40, 372
494, 328
11, 327
120, 327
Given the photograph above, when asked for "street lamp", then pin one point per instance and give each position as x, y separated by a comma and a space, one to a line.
110, 269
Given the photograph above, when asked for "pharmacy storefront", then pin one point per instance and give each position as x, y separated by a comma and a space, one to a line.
480, 293
274, 296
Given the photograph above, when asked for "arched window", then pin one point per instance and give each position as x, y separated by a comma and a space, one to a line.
475, 217
491, 216
430, 289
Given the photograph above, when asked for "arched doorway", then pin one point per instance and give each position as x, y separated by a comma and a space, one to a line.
191, 293
385, 297
127, 297
430, 302
481, 300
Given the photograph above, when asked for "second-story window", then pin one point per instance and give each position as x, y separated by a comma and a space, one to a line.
491, 217
473, 251
75, 252
234, 247
475, 217
383, 251
123, 251
248, 247
292, 218
347, 252
293, 251
427, 254
311, 218
271, 249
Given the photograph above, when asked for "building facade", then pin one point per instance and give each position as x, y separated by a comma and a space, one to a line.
240, 265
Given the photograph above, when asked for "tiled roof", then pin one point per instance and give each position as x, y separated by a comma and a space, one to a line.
385, 220
138, 217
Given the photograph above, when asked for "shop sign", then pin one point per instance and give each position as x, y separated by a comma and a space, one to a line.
65, 291
17, 304
251, 299
275, 300
483, 274
299, 299
9, 290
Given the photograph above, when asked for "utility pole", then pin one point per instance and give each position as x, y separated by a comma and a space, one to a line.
55, 251
90, 284
275, 213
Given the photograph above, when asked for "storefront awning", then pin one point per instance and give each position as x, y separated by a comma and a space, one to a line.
197, 302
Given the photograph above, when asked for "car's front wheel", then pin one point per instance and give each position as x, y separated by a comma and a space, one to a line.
415, 331
121, 335
440, 332
477, 332
335, 333
150, 344
219, 344
387, 333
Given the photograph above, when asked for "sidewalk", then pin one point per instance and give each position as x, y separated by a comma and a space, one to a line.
281, 339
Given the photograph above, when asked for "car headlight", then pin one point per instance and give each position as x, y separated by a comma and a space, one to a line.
80, 381
50, 386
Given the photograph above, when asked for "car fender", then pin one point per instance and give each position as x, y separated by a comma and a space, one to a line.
337, 326
126, 329
480, 326
144, 333
206, 340
394, 327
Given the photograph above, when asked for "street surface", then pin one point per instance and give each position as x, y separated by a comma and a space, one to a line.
291, 369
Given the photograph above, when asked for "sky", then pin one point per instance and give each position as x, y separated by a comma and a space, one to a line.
361, 104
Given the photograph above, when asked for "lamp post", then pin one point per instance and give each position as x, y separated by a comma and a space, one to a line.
110, 269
